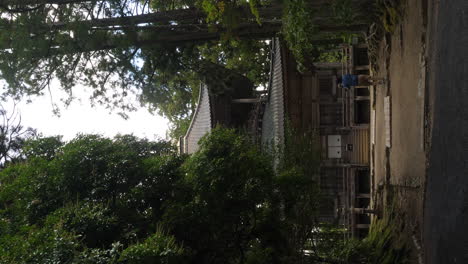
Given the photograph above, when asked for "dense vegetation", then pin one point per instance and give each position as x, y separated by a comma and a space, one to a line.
125, 200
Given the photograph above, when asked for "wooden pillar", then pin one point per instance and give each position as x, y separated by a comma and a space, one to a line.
362, 195
362, 226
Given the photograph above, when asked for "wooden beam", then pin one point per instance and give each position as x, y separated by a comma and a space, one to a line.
363, 195
246, 100
362, 226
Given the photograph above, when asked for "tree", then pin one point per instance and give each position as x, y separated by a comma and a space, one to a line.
88, 41
229, 182
152, 48
76, 201
119, 48
12, 136
42, 147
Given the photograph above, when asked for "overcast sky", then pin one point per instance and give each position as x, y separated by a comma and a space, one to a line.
80, 117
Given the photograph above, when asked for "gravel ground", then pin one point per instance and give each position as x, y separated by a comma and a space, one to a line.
446, 205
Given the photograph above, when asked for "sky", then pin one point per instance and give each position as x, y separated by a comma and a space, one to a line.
80, 117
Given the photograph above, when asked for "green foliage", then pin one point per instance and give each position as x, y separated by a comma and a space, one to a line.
174, 74
385, 244
94, 223
172, 5
31, 244
298, 31
330, 56
46, 148
249, 57
98, 44
221, 156
259, 255
94, 168
229, 182
124, 200
159, 247
99, 256
83, 203
12, 136
301, 150
228, 13
298, 188
160, 187
178, 128
30, 191
345, 12
307, 43
389, 13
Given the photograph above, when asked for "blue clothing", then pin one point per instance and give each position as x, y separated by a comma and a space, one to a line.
349, 80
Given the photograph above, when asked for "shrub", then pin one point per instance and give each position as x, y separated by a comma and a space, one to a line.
229, 186
159, 248
30, 191
46, 148
99, 256
94, 223
158, 186
32, 244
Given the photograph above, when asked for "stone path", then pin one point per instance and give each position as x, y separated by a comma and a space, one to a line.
446, 205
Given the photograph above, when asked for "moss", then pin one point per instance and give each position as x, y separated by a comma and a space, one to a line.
386, 242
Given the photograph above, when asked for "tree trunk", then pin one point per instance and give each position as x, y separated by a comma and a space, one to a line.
169, 36
161, 20
17, 3
162, 17
164, 35
151, 35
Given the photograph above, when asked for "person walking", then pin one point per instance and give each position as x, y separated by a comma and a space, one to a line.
348, 80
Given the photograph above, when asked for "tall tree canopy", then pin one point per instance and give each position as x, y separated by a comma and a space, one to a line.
106, 44
159, 50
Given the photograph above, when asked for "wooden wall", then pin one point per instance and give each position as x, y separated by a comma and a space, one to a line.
359, 139
301, 96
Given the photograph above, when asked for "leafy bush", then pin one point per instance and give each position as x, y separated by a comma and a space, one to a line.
390, 13
228, 185
99, 256
345, 12
159, 248
160, 186
32, 244
46, 148
30, 191
94, 223
259, 255
302, 34
85, 202
94, 168
99, 200
229, 164
226, 12
384, 244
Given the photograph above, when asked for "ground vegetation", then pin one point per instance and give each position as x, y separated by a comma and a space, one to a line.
125, 200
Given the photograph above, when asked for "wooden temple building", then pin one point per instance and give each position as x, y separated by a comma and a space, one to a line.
230, 109
307, 102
